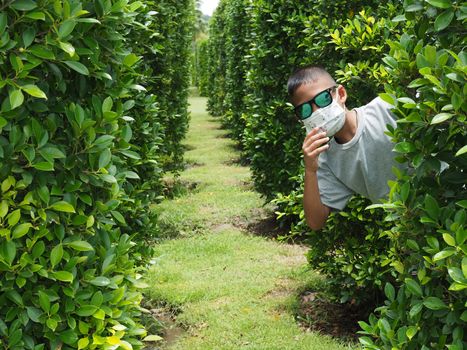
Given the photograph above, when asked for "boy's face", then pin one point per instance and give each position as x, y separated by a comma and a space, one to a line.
309, 91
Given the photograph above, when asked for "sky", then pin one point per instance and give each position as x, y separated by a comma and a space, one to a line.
208, 6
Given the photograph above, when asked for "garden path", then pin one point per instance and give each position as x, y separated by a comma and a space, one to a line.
229, 287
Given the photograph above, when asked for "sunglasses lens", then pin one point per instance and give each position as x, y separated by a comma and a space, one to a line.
323, 99
305, 110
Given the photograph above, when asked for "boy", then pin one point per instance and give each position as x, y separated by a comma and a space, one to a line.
345, 151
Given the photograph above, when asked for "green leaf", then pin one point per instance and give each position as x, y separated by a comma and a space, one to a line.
103, 141
366, 341
51, 323
153, 338
16, 98
404, 147
8, 250
461, 151
51, 152
28, 36
137, 87
15, 297
388, 98
118, 216
81, 246
83, 343
108, 178
88, 20
444, 19
406, 100
130, 154
36, 15
78, 67
3, 208
449, 239
86, 310
63, 276
104, 158
107, 104
56, 255
3, 122
434, 303
34, 314
457, 275
3, 22
21, 230
413, 287
464, 267
411, 331
100, 281
44, 166
415, 310
130, 60
34, 90
24, 5
42, 52
398, 266
444, 254
431, 207
389, 291
66, 28
68, 48
69, 336
63, 207
441, 117
414, 8
14, 217
442, 4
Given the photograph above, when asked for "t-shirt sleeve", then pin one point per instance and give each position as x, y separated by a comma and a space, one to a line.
334, 194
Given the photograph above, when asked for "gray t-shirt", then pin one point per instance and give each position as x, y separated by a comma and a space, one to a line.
364, 164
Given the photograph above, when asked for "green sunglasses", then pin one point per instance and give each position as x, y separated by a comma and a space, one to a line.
321, 100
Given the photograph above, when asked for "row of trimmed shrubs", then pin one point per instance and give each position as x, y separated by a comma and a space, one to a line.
408, 256
93, 109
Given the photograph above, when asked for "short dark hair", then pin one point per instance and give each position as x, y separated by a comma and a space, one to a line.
305, 75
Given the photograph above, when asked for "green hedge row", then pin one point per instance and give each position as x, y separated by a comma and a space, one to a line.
82, 145
410, 251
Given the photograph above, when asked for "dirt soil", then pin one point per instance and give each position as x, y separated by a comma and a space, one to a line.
334, 319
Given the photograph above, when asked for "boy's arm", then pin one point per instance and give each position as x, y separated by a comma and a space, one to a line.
316, 213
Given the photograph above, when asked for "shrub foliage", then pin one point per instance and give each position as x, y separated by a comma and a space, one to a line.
74, 123
410, 251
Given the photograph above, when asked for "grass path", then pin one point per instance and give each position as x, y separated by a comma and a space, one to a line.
235, 290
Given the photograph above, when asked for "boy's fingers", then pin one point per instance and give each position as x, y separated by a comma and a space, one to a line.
315, 143
315, 152
312, 138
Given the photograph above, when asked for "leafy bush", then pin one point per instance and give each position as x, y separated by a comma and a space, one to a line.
416, 250
427, 68
172, 25
201, 67
216, 61
69, 278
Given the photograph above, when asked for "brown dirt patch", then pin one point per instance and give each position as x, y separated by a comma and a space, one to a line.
334, 319
267, 227
162, 321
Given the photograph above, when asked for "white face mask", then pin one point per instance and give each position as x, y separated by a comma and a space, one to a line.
330, 118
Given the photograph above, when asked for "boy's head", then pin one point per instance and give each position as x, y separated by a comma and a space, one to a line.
312, 87
308, 75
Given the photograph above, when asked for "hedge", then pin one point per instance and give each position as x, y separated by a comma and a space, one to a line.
410, 250
72, 121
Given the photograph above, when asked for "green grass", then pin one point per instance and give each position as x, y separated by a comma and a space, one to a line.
235, 290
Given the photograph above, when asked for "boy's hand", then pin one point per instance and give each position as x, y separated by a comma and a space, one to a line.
313, 145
